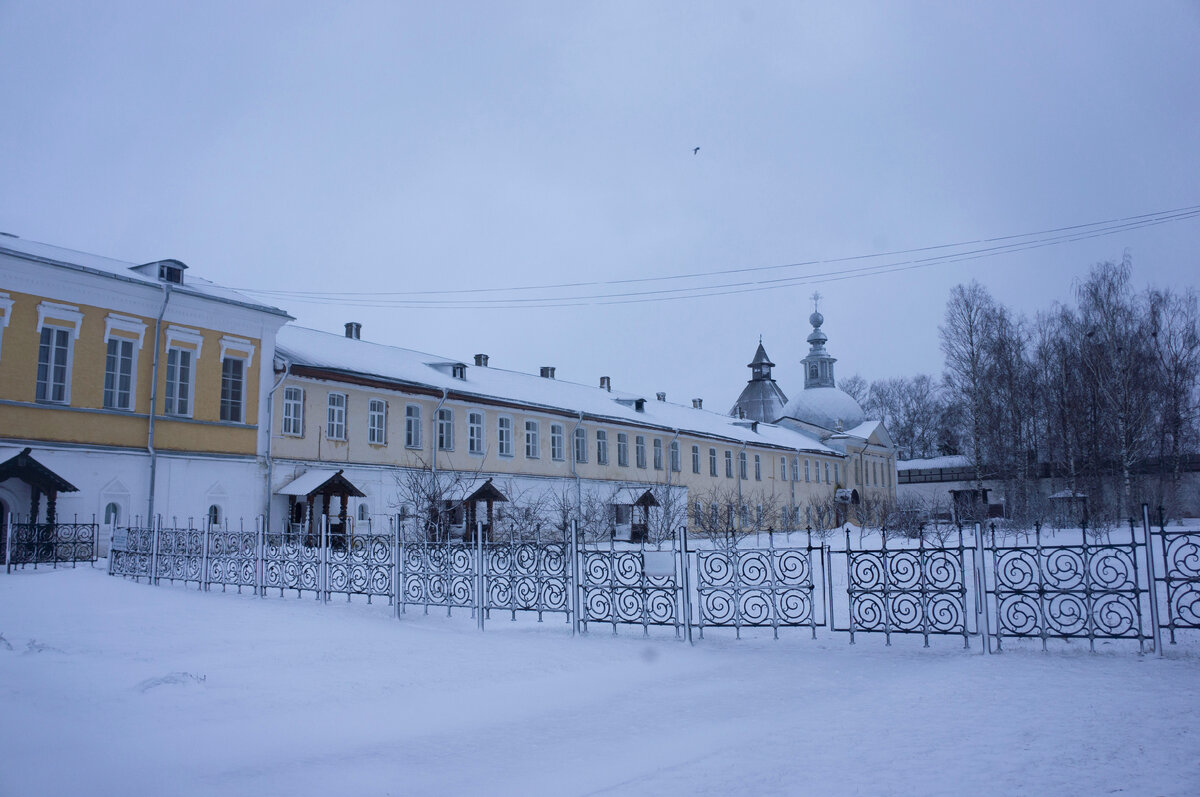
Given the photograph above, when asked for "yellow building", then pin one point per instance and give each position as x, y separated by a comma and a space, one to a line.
139, 384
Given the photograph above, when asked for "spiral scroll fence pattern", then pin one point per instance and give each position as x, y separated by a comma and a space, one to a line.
526, 576
770, 587
1180, 580
1139, 588
439, 574
1091, 590
909, 590
51, 543
615, 589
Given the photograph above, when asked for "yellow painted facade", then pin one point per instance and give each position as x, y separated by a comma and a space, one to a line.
83, 418
764, 480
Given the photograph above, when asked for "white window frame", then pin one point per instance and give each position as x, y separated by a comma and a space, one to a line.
783, 471
241, 404
475, 438
837, 475
639, 450
6, 306
131, 393
580, 435
292, 422
728, 464
743, 471
601, 447
504, 436
558, 451
412, 426
46, 388
335, 416
377, 412
757, 467
714, 469
171, 392
445, 429
827, 473
533, 443
622, 449
695, 459
658, 454
806, 470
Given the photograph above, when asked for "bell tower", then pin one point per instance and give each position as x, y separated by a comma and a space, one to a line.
818, 365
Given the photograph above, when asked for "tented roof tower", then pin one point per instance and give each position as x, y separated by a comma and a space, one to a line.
761, 399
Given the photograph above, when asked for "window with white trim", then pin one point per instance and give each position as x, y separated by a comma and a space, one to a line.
445, 429
695, 459
178, 398
412, 425
293, 411
233, 389
728, 464
827, 473
806, 471
118, 374
533, 446
795, 469
674, 449
639, 444
335, 426
377, 422
475, 441
557, 442
712, 462
837, 474
504, 436
757, 468
54, 365
742, 465
623, 449
580, 444
601, 447
658, 454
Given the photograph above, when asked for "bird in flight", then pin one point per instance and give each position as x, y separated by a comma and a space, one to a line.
695, 150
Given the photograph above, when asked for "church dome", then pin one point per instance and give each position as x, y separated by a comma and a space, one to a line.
824, 407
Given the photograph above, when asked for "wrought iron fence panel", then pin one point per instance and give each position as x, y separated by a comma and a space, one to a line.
756, 587
1180, 551
1089, 590
526, 576
616, 588
52, 543
905, 590
361, 565
180, 555
232, 558
291, 560
439, 574
137, 558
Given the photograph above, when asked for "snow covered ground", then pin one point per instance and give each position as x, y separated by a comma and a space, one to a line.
113, 687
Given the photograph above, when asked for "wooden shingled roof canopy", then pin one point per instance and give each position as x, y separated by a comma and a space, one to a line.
24, 467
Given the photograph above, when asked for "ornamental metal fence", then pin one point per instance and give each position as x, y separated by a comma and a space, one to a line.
1137, 586
53, 544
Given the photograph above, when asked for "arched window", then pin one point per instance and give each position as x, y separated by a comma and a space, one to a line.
214, 515
812, 371
112, 514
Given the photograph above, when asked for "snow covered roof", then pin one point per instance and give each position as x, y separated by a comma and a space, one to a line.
825, 407
314, 479
405, 367
130, 272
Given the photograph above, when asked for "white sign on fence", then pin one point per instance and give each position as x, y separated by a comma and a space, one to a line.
120, 539
659, 563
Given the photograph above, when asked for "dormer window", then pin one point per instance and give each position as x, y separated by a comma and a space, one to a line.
169, 272
459, 371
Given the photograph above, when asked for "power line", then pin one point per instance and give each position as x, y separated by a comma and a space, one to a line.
995, 246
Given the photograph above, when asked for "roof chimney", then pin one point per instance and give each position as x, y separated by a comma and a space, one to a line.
606, 383
698, 404
481, 360
548, 371
353, 330
661, 396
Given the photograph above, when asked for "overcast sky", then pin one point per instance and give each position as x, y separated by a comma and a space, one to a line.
389, 147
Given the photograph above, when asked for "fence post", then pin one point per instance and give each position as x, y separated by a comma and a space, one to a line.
155, 527
479, 601
324, 572
685, 577
982, 622
1155, 630
8, 542
260, 531
572, 575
